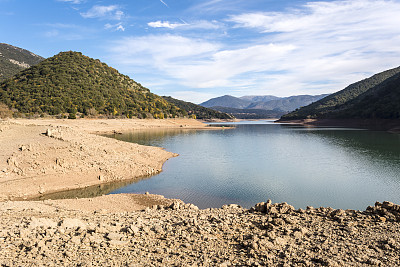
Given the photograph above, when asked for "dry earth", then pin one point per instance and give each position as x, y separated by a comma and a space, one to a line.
178, 234
41, 156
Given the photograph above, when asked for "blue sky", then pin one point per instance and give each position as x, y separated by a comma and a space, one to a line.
195, 50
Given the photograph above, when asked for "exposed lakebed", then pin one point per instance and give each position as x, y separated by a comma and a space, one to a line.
336, 167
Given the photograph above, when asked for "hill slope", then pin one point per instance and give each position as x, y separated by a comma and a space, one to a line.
381, 101
226, 101
70, 82
200, 112
14, 59
259, 98
353, 97
287, 104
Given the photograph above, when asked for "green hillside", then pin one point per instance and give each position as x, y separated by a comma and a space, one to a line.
14, 59
381, 101
198, 111
334, 106
70, 82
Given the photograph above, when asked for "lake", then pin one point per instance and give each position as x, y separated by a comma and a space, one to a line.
260, 160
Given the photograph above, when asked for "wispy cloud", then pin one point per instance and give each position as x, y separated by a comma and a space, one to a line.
69, 32
114, 27
104, 12
317, 48
165, 24
194, 25
165, 4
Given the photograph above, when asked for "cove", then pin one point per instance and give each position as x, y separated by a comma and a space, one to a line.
259, 160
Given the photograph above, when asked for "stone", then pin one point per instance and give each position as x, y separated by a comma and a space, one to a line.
42, 222
115, 236
69, 223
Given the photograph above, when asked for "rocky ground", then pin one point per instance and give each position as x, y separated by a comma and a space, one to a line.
179, 234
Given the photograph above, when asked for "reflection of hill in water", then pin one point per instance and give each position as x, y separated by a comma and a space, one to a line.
377, 145
152, 137
91, 191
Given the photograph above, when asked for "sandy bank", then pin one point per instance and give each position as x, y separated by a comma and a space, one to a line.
43, 156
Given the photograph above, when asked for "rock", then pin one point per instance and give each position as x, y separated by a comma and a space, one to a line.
69, 223
382, 219
134, 229
115, 236
12, 162
42, 222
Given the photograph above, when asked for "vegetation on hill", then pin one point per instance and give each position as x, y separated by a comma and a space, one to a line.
266, 102
374, 97
197, 111
259, 98
70, 82
381, 101
286, 104
226, 101
14, 59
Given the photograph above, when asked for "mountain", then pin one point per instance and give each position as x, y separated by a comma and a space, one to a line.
287, 104
267, 102
199, 112
70, 82
226, 101
374, 97
14, 59
380, 102
251, 113
259, 98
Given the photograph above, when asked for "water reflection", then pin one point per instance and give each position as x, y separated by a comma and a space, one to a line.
91, 191
338, 167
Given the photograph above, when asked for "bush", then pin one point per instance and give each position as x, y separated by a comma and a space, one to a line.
5, 112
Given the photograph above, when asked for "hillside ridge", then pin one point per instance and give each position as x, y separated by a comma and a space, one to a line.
72, 83
374, 97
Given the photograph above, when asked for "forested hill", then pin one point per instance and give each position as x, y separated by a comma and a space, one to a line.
199, 112
14, 59
374, 97
70, 82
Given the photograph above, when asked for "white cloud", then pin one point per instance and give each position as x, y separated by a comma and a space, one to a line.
108, 12
194, 25
114, 27
164, 24
318, 48
164, 3
341, 41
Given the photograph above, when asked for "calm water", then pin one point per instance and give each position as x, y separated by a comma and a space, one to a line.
256, 161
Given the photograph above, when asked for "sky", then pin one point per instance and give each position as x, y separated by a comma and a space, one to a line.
196, 50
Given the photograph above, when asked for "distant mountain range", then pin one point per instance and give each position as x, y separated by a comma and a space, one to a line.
377, 97
14, 59
256, 106
198, 111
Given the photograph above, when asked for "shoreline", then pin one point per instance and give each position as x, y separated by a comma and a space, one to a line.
392, 126
45, 156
